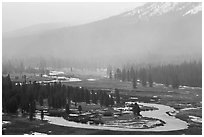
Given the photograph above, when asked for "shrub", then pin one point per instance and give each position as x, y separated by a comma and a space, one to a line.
107, 113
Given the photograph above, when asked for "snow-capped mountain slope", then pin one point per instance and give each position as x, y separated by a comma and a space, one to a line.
159, 8
154, 32
194, 10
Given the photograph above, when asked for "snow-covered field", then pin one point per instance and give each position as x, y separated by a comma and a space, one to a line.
59, 79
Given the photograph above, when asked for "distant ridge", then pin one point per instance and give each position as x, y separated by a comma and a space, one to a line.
152, 33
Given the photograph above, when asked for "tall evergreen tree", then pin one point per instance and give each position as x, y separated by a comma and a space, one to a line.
8, 82
150, 80
93, 97
166, 80
143, 77
117, 95
111, 100
110, 74
102, 98
106, 100
67, 108
87, 96
128, 75
132, 73
118, 74
175, 82
134, 81
32, 110
21, 68
123, 74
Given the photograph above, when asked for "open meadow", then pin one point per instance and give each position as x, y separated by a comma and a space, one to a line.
187, 102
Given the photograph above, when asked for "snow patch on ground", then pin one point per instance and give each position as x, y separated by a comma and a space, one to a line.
134, 98
122, 108
184, 109
91, 79
196, 119
56, 73
36, 133
61, 79
168, 96
74, 79
158, 84
170, 91
6, 122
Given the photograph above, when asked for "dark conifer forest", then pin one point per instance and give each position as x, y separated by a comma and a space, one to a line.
25, 96
184, 74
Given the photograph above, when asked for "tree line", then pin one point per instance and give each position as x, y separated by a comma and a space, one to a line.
9, 67
25, 96
185, 74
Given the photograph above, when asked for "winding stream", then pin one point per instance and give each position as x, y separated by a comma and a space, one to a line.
172, 123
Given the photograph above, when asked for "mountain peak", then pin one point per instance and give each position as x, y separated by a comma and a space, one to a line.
194, 9
159, 8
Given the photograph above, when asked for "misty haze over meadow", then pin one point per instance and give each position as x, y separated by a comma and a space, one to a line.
102, 68
153, 33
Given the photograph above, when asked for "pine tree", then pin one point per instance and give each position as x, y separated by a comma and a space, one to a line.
21, 68
32, 110
128, 76
134, 81
101, 98
12, 105
94, 97
67, 108
118, 74
123, 74
106, 100
143, 77
111, 100
8, 82
41, 100
166, 81
175, 82
80, 109
87, 96
117, 95
132, 73
150, 80
110, 74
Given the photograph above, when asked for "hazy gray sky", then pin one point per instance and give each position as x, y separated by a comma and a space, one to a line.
20, 14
